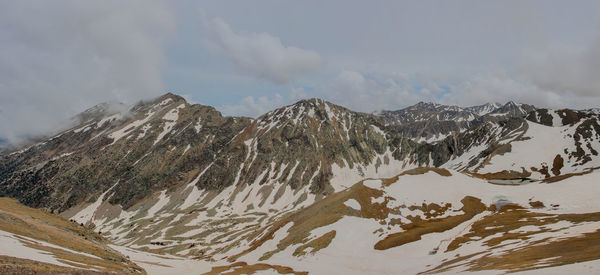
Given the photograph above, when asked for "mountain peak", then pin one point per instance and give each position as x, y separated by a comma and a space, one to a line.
172, 96
312, 108
167, 98
428, 104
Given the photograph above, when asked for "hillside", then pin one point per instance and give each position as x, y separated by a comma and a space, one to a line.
37, 241
315, 187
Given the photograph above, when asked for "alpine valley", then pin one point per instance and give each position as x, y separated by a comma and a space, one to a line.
168, 187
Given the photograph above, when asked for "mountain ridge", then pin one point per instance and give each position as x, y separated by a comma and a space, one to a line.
310, 126
183, 179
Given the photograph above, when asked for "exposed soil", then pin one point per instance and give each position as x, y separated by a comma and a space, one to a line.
12, 265
244, 268
413, 231
499, 228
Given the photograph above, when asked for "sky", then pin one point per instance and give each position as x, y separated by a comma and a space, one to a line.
58, 58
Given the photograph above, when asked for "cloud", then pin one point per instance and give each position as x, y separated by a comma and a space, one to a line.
373, 91
262, 55
251, 107
296, 94
566, 69
500, 87
60, 57
368, 92
254, 107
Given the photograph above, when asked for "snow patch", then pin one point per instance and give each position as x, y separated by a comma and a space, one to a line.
171, 118
118, 134
352, 203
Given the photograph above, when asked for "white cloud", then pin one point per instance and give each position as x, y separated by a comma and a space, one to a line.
60, 57
367, 92
500, 87
566, 69
262, 55
298, 94
252, 107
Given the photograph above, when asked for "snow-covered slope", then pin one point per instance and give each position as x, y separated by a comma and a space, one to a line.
432, 221
546, 151
36, 242
279, 192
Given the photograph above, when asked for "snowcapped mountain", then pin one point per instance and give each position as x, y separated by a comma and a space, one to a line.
510, 109
316, 187
431, 122
484, 109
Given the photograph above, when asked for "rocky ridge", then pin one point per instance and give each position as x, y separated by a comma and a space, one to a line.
172, 177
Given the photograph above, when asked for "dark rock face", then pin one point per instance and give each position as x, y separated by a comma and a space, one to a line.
541, 116
166, 143
565, 116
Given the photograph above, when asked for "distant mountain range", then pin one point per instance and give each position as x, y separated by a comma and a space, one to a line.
316, 187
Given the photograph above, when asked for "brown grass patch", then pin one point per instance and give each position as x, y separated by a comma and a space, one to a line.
12, 265
501, 150
557, 252
431, 210
40, 225
316, 244
502, 175
417, 171
244, 268
537, 204
413, 231
557, 164
322, 213
566, 176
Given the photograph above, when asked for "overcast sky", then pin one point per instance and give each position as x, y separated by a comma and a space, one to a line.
58, 58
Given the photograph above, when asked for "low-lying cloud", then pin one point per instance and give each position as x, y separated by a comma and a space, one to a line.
60, 57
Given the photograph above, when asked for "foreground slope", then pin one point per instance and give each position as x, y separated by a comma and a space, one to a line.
398, 225
36, 241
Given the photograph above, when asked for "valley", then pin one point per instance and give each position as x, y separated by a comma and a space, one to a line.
171, 187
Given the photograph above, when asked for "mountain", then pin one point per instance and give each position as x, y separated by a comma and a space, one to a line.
484, 109
431, 122
294, 189
512, 109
